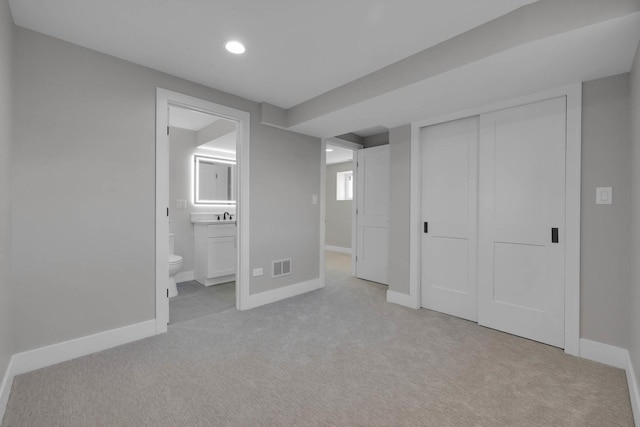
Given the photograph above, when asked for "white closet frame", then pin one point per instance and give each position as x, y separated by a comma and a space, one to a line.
573, 94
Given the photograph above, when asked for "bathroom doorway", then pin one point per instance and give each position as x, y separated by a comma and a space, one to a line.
202, 208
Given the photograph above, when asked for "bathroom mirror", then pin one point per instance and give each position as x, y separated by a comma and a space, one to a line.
214, 181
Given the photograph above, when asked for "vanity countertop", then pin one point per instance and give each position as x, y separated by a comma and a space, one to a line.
211, 219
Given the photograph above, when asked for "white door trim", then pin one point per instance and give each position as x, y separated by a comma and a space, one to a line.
354, 215
323, 205
572, 225
344, 144
163, 99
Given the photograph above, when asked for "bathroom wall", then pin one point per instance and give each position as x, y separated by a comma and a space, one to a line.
182, 144
83, 252
337, 212
6, 123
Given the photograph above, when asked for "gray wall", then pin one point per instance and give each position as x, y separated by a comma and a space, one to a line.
605, 264
338, 214
400, 154
83, 252
381, 138
634, 300
285, 173
6, 293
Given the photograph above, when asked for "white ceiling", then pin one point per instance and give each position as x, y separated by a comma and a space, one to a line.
374, 130
603, 49
338, 154
225, 143
296, 49
185, 118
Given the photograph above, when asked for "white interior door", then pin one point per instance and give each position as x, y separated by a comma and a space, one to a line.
372, 219
450, 218
522, 199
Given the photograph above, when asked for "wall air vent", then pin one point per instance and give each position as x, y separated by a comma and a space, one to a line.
281, 268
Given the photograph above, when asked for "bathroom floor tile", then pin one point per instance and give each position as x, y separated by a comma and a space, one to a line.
190, 288
195, 301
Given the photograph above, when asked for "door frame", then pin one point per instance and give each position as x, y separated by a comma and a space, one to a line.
164, 98
323, 199
573, 94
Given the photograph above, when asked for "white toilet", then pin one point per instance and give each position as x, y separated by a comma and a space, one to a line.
175, 264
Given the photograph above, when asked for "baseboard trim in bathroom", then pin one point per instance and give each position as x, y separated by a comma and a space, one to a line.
5, 387
56, 353
185, 276
339, 249
268, 297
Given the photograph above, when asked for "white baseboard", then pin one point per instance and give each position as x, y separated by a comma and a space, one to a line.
50, 355
5, 388
268, 297
604, 353
619, 358
337, 249
185, 276
634, 395
405, 300
42, 357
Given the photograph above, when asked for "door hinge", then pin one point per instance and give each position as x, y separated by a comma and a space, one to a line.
554, 235
356, 211
167, 130
167, 211
167, 292
426, 227
356, 258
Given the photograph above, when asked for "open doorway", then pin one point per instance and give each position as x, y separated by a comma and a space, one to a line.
338, 208
202, 212
361, 185
339, 199
201, 208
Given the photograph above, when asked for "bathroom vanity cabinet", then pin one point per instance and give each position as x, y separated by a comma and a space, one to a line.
215, 253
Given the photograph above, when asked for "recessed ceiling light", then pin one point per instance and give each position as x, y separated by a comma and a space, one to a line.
329, 150
235, 47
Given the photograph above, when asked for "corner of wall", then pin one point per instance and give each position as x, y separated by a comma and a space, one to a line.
7, 339
634, 349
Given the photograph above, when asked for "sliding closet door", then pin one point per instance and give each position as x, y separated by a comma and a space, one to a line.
522, 217
450, 217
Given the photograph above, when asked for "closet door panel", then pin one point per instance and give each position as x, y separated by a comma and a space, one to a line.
522, 198
449, 209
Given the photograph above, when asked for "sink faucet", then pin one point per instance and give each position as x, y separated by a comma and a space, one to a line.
224, 217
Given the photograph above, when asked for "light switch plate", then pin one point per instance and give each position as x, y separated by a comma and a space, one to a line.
314, 199
604, 196
258, 272
181, 204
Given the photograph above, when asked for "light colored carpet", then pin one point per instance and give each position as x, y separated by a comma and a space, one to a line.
337, 356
